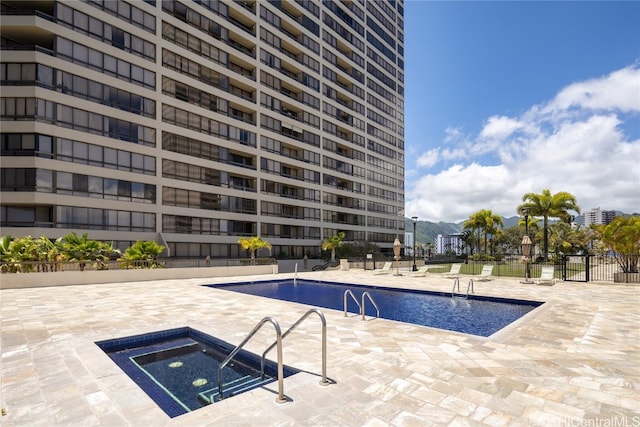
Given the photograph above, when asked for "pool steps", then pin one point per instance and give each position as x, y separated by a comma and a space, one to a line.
232, 388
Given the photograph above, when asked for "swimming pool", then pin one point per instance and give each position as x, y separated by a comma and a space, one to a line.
475, 315
178, 368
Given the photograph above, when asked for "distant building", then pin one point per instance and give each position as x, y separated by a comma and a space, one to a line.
451, 243
597, 216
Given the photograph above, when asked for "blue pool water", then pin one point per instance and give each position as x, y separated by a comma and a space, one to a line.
178, 368
474, 315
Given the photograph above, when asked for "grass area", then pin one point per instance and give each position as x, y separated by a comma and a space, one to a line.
502, 270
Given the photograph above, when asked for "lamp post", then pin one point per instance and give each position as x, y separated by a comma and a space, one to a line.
414, 219
526, 246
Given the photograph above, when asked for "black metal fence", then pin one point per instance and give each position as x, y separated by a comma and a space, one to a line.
576, 268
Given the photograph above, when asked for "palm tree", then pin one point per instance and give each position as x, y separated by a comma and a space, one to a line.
486, 221
475, 222
332, 243
547, 206
252, 244
622, 236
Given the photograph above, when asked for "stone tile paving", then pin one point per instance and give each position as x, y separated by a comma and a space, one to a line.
573, 361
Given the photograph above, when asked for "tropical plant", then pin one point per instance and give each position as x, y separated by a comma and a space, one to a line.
547, 206
142, 254
253, 244
82, 250
622, 237
11, 254
332, 243
49, 254
357, 249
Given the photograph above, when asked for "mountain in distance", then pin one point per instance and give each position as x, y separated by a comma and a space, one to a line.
427, 231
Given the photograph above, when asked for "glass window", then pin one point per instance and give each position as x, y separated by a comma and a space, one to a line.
64, 181
95, 155
124, 219
64, 47
124, 160
149, 164
44, 179
80, 183
110, 157
45, 144
45, 75
137, 190
80, 216
95, 186
124, 189
80, 150
110, 64
95, 59
110, 188
80, 53
137, 220
95, 217
137, 162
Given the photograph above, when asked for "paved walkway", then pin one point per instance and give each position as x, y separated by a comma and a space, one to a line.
573, 361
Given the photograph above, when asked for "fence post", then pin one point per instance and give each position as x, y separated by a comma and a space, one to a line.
586, 266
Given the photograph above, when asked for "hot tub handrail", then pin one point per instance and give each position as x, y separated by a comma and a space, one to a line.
368, 295
323, 320
280, 398
348, 292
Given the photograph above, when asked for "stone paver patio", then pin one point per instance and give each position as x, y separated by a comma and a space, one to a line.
575, 361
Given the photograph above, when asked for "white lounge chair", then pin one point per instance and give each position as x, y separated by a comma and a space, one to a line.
386, 268
422, 271
547, 276
486, 274
454, 272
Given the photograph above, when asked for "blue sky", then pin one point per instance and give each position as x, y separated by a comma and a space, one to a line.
505, 98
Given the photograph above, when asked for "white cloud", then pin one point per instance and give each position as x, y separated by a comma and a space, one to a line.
429, 158
574, 143
619, 91
500, 127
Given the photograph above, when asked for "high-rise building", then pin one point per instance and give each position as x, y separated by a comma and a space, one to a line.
597, 216
450, 244
195, 123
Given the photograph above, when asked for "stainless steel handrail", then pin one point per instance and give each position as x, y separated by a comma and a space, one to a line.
372, 302
324, 380
456, 282
348, 291
280, 398
469, 286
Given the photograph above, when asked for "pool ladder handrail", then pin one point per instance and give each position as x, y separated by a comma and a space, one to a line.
456, 283
323, 320
348, 292
360, 304
367, 294
470, 285
280, 398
